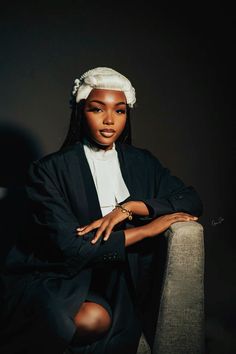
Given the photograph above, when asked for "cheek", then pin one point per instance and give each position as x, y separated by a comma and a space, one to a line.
90, 122
123, 123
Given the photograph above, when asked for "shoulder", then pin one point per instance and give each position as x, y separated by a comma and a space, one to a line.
139, 153
56, 158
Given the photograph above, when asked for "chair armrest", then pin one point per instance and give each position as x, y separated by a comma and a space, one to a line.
180, 324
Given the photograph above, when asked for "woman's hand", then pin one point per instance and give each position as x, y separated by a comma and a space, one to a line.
103, 225
162, 223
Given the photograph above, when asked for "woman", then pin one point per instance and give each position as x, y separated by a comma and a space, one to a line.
95, 206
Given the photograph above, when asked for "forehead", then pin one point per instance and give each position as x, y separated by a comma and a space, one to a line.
107, 96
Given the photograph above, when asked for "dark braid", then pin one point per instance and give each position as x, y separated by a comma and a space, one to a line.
126, 136
75, 133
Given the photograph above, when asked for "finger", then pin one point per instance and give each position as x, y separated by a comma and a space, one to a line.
78, 233
191, 216
81, 228
98, 233
107, 233
83, 232
94, 224
184, 218
87, 229
176, 215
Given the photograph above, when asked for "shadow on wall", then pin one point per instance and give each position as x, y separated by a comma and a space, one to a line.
17, 150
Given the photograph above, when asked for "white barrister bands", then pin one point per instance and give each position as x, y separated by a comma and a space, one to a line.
103, 78
108, 180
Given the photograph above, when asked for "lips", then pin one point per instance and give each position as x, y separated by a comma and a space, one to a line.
107, 133
108, 130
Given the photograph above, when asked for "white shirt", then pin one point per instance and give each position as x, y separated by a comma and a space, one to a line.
108, 180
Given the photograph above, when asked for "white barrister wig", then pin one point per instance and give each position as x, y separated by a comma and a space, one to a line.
103, 78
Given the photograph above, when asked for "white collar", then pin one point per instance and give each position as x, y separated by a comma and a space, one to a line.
99, 154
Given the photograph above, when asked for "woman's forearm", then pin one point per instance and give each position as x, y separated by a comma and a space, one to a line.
155, 227
137, 207
134, 235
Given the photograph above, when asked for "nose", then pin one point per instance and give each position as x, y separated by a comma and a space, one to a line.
108, 119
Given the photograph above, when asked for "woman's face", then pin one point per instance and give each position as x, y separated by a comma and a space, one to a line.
105, 115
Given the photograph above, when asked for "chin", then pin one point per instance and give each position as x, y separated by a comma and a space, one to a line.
103, 142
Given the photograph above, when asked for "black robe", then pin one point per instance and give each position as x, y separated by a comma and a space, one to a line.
47, 274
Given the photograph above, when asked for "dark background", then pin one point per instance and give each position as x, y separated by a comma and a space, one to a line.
180, 59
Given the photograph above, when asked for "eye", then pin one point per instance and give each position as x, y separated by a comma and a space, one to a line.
95, 109
121, 111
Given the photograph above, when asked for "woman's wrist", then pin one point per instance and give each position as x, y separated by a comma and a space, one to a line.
136, 207
124, 209
135, 234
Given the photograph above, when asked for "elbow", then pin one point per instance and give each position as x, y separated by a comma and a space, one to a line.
201, 209
196, 206
198, 210
188, 202
196, 202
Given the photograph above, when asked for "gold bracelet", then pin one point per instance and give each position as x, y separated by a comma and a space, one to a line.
124, 210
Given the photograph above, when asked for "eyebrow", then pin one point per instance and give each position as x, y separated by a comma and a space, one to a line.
97, 101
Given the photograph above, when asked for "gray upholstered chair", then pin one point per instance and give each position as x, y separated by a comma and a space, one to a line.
180, 323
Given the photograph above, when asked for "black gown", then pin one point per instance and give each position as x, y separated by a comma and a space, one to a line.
51, 271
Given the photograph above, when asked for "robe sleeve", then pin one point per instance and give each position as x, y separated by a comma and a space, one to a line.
55, 220
171, 194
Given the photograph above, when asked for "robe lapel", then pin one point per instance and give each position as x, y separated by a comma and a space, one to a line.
92, 202
126, 166
94, 209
